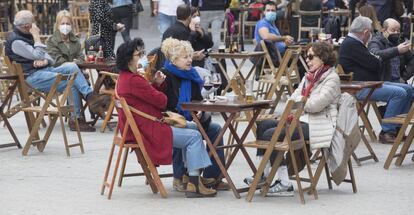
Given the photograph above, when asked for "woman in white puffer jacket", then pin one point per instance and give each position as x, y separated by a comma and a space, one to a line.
321, 86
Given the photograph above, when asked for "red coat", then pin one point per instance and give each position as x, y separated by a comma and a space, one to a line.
140, 94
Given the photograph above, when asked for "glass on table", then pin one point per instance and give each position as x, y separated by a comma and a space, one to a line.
216, 81
207, 84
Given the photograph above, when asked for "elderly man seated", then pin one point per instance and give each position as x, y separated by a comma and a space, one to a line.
24, 47
355, 57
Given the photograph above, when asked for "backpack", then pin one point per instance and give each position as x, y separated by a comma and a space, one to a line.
333, 27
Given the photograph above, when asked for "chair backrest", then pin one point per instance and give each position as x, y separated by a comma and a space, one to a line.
309, 14
152, 59
123, 107
80, 15
289, 121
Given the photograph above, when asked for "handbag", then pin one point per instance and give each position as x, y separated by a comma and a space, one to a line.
93, 42
137, 6
174, 119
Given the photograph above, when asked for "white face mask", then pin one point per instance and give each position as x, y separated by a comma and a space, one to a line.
196, 20
65, 29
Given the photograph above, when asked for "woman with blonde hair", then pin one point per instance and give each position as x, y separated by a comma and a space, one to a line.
183, 84
63, 46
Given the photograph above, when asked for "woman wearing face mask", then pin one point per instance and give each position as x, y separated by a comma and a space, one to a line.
183, 84
63, 46
159, 138
321, 86
266, 29
200, 39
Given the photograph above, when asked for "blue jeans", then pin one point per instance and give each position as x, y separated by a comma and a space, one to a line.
398, 97
212, 171
43, 80
193, 152
165, 21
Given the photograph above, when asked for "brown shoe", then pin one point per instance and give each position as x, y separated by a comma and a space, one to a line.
83, 126
178, 185
196, 189
221, 185
96, 104
386, 138
208, 181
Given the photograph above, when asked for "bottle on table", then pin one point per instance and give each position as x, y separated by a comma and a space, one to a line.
100, 55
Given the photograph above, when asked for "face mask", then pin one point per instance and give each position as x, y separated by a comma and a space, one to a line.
270, 16
144, 62
196, 20
65, 29
394, 38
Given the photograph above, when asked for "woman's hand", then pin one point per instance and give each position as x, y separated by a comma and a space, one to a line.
199, 114
159, 78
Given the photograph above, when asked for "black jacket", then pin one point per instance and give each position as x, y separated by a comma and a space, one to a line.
198, 43
380, 46
178, 31
211, 4
172, 90
355, 57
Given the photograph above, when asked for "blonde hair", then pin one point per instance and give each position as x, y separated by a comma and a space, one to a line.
173, 49
60, 16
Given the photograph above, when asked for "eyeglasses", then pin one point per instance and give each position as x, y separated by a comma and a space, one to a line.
310, 56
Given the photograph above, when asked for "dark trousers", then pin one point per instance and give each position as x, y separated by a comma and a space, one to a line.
265, 130
123, 14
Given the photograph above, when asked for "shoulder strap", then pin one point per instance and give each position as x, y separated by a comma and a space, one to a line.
140, 113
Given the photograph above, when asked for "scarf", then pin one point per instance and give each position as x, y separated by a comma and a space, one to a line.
312, 77
186, 77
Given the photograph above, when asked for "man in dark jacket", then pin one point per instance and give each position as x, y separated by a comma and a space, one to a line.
395, 56
355, 57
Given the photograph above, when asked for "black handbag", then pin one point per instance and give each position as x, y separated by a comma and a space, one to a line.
93, 42
137, 6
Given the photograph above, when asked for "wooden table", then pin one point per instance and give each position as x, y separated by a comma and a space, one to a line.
353, 88
9, 95
228, 111
107, 66
243, 56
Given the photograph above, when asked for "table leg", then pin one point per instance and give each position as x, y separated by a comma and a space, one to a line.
6, 121
214, 152
364, 139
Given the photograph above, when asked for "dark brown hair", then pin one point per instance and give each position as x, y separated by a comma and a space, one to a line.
325, 52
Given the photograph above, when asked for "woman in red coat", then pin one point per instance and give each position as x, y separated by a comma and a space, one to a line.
159, 138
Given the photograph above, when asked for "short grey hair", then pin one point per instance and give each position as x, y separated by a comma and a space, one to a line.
360, 24
23, 17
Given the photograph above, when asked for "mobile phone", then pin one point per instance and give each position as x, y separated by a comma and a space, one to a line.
206, 51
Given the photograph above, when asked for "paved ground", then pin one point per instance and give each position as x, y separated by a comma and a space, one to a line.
51, 183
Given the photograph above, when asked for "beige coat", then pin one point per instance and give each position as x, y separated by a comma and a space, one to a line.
321, 108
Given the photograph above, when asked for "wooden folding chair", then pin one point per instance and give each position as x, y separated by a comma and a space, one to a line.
111, 93
404, 120
144, 160
317, 13
55, 110
287, 145
80, 15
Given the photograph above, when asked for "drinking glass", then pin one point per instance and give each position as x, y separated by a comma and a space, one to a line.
216, 81
207, 85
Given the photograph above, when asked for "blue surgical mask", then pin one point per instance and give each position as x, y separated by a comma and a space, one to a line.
144, 62
270, 16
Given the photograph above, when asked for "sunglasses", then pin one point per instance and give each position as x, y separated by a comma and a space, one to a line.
310, 56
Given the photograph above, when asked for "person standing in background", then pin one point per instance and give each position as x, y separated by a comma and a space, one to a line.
122, 13
165, 10
103, 24
212, 13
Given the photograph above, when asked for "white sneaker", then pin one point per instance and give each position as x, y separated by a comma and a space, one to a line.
249, 181
277, 189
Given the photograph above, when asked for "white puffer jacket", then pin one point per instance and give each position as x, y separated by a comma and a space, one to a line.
321, 108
